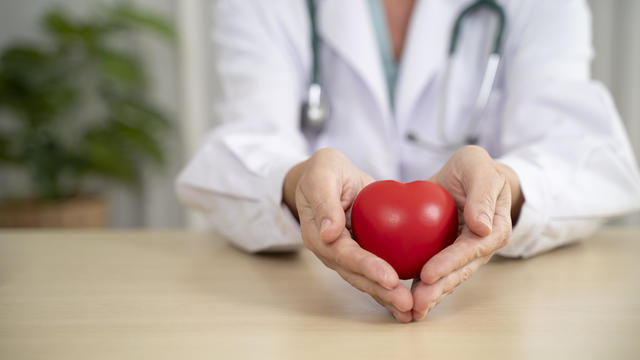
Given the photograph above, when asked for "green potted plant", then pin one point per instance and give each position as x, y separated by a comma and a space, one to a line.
74, 109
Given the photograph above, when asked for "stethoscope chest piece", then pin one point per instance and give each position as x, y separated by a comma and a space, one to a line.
315, 110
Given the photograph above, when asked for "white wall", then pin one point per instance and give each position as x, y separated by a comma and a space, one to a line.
617, 63
195, 52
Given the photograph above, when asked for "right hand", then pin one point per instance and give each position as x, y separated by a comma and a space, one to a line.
319, 191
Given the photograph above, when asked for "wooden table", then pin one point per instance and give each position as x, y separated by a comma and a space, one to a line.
180, 295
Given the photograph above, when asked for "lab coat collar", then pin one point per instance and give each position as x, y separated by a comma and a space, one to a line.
346, 27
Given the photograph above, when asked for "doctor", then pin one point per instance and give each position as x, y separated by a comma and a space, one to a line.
550, 159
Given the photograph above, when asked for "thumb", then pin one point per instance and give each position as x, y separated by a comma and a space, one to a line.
482, 191
322, 197
330, 220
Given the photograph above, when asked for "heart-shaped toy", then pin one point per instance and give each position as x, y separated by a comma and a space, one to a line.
404, 224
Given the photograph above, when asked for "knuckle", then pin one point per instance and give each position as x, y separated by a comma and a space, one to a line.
318, 155
479, 251
366, 263
474, 149
467, 271
325, 153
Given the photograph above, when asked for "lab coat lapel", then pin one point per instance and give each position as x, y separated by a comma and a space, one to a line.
346, 27
425, 52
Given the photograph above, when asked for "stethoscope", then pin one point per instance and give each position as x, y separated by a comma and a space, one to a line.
315, 109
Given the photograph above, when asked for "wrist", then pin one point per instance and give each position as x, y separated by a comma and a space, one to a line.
517, 197
289, 186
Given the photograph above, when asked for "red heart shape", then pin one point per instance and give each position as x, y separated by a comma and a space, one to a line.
404, 224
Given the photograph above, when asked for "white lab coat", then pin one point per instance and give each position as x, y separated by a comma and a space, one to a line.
546, 119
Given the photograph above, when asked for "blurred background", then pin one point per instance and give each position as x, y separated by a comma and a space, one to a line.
132, 81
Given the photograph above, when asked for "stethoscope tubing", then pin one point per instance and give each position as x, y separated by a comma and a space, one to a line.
315, 110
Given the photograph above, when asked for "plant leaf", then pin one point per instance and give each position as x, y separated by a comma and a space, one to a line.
139, 141
145, 20
34, 84
121, 68
106, 156
55, 21
135, 111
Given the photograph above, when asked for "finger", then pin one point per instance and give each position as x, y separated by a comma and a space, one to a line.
403, 317
319, 195
426, 296
467, 248
417, 316
345, 253
400, 316
503, 207
320, 204
351, 188
482, 189
399, 298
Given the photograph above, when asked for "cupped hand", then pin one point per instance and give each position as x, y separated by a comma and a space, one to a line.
319, 191
488, 195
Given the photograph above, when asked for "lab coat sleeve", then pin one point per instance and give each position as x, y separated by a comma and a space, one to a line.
236, 176
561, 132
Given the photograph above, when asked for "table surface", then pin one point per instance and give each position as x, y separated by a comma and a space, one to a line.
176, 295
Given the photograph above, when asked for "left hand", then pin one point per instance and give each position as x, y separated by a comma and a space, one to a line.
488, 195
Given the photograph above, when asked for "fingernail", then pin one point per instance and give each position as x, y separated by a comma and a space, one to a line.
325, 224
395, 313
484, 218
418, 315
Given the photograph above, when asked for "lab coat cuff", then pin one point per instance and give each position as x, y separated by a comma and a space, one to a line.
285, 221
533, 218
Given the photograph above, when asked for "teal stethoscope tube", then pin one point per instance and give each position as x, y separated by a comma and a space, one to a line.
315, 110
315, 42
488, 4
